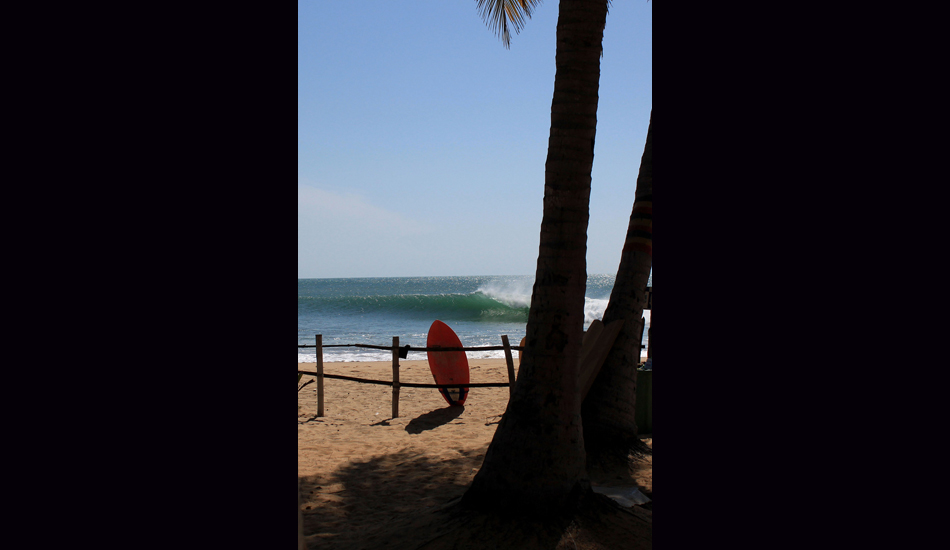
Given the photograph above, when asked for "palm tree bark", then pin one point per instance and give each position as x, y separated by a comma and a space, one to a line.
610, 428
536, 460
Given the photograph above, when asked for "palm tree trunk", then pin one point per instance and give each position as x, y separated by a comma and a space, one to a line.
610, 429
536, 460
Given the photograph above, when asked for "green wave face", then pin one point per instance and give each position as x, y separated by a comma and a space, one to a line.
457, 307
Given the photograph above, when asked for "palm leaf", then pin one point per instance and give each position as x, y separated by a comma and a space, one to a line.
500, 14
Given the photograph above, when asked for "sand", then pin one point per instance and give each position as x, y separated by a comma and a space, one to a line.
364, 474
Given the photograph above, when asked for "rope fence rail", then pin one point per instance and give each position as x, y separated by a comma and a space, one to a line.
408, 384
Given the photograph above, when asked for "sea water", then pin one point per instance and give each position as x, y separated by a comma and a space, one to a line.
373, 310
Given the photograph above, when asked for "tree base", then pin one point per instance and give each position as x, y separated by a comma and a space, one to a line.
611, 450
529, 507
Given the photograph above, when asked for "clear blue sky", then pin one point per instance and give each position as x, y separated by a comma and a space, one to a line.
421, 140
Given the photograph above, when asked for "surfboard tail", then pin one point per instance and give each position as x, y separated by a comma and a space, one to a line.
455, 396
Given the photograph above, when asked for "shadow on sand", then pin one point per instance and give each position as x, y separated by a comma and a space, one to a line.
433, 419
407, 500
357, 505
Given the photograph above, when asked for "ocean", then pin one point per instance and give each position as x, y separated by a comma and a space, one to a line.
373, 310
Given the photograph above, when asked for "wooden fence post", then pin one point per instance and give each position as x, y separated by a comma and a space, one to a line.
511, 365
319, 375
395, 376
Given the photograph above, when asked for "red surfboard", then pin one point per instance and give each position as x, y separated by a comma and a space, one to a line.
448, 367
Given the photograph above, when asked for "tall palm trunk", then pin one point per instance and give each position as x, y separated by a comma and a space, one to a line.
536, 460
610, 429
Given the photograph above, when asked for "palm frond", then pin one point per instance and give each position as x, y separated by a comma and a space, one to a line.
500, 14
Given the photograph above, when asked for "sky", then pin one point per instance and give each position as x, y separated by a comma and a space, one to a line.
421, 140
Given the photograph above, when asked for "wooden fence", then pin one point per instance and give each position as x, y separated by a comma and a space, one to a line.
402, 352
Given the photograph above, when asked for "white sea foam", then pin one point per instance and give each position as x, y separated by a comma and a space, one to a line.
413, 356
593, 310
511, 292
370, 355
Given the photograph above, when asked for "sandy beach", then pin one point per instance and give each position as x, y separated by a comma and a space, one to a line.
363, 473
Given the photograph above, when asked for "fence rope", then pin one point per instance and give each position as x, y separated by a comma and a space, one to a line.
409, 384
